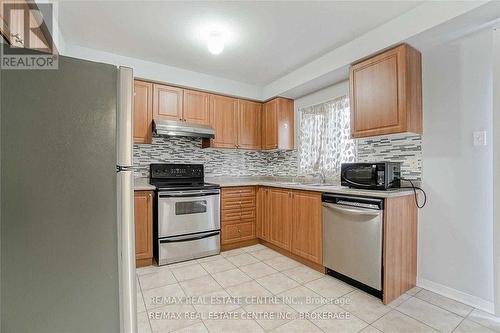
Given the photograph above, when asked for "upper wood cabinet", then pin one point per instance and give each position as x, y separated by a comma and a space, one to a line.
143, 106
278, 124
307, 226
237, 123
143, 211
196, 107
249, 125
386, 93
223, 118
167, 102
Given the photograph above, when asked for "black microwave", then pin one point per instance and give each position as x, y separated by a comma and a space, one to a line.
371, 176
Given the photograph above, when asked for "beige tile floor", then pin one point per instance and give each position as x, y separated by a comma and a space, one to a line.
306, 300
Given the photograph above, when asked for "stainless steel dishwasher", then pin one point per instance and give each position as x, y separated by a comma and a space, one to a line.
352, 240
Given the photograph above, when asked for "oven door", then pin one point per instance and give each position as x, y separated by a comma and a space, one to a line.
186, 212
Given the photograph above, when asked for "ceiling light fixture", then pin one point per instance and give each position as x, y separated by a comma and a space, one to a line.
215, 42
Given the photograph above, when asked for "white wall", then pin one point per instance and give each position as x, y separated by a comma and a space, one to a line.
455, 245
496, 164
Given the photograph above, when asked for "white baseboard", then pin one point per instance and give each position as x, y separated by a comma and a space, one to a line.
457, 295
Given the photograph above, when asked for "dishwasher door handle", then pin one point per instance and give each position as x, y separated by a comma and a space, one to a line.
352, 211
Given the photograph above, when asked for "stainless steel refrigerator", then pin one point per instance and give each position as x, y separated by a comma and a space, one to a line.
67, 231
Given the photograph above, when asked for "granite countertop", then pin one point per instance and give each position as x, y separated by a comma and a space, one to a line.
142, 184
299, 185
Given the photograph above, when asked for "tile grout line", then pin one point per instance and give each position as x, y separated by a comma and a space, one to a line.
225, 290
303, 284
480, 324
143, 302
414, 296
180, 286
435, 329
439, 306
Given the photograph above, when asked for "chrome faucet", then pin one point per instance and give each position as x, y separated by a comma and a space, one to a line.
321, 174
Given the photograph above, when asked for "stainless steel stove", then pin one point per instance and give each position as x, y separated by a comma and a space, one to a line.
186, 213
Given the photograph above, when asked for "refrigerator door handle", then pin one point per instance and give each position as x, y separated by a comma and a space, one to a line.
124, 117
126, 251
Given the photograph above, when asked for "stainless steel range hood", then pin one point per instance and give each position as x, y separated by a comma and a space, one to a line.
179, 128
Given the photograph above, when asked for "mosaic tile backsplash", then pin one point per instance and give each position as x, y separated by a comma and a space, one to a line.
396, 148
235, 162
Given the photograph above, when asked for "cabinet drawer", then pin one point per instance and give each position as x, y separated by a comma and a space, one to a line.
238, 191
231, 216
235, 215
238, 232
248, 202
248, 213
231, 203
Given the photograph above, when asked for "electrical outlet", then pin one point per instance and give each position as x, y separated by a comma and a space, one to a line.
479, 138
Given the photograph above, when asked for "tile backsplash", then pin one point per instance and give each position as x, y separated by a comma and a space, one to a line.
234, 163
397, 148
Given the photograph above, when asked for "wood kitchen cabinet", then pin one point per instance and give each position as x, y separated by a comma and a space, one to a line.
196, 107
263, 213
307, 226
143, 111
237, 123
167, 102
143, 213
278, 124
292, 221
386, 93
249, 125
280, 218
173, 103
399, 247
238, 216
224, 120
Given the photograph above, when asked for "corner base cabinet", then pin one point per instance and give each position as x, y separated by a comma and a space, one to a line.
292, 221
143, 214
386, 93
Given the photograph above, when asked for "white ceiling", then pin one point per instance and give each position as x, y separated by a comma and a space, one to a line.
269, 39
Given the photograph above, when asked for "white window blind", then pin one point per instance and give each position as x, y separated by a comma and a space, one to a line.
324, 143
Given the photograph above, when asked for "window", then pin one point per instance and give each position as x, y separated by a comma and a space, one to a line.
324, 138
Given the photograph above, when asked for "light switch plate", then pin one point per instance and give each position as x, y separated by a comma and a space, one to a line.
479, 138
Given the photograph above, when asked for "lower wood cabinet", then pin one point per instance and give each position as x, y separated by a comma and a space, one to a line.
263, 211
307, 226
143, 214
291, 220
280, 222
238, 214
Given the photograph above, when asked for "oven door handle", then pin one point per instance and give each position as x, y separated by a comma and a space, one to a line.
189, 238
186, 195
